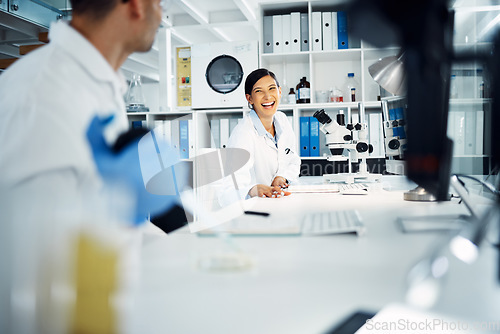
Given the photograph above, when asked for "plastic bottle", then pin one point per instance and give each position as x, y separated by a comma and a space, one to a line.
351, 89
303, 91
481, 90
453, 87
291, 97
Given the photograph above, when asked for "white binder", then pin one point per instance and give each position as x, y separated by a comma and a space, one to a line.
287, 47
459, 140
470, 133
277, 34
232, 124
175, 138
224, 132
479, 132
317, 40
191, 138
375, 134
159, 130
215, 131
167, 130
268, 34
335, 32
295, 32
304, 32
326, 20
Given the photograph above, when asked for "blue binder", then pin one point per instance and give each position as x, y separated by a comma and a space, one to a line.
400, 116
314, 137
184, 139
342, 30
304, 137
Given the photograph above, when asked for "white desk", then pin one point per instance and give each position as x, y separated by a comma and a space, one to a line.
305, 284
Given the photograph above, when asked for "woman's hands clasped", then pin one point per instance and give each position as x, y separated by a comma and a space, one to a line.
276, 190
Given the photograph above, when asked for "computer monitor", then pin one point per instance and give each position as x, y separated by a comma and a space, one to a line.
424, 30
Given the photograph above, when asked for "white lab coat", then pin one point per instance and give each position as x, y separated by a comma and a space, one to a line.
47, 100
267, 160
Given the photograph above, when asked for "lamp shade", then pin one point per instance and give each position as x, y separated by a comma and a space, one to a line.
390, 74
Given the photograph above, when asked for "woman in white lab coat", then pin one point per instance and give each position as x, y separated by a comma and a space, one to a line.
268, 136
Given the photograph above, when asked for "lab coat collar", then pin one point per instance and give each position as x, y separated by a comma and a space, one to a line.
260, 128
86, 54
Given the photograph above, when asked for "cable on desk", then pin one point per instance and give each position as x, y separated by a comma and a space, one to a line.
488, 186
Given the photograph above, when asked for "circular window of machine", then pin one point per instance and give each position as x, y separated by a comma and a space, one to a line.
224, 74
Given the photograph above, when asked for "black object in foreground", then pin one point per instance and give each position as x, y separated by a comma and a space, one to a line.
351, 324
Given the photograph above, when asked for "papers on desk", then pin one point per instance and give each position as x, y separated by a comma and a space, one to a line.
314, 188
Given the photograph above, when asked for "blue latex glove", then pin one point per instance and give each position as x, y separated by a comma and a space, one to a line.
127, 167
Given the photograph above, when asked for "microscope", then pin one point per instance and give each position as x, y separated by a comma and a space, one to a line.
347, 141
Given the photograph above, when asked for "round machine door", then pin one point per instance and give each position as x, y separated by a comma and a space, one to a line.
224, 74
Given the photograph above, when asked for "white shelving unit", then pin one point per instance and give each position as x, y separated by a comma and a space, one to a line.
328, 69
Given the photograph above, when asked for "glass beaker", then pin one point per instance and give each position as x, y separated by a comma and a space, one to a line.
135, 98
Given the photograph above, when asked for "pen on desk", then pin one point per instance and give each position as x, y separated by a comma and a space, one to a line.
265, 214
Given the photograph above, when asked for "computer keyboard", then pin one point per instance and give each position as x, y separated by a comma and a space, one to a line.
333, 222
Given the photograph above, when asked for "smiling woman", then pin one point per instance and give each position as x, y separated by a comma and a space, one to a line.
268, 136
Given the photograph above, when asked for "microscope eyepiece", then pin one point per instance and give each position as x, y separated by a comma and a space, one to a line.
322, 117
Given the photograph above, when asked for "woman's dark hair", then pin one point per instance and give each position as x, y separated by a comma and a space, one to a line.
255, 76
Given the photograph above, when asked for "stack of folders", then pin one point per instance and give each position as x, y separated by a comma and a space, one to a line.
309, 137
179, 133
221, 130
329, 31
290, 32
466, 128
286, 33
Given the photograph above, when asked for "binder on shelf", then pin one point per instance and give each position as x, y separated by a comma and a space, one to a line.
167, 130
470, 135
184, 139
479, 132
375, 134
224, 132
215, 131
295, 32
277, 34
287, 47
268, 34
313, 137
459, 142
335, 42
304, 136
158, 129
232, 124
400, 129
137, 124
326, 20
304, 32
175, 135
191, 138
342, 30
317, 41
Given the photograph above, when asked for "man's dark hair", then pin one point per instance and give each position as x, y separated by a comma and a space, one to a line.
98, 9
255, 76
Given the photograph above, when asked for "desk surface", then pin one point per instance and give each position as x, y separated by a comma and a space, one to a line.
305, 284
